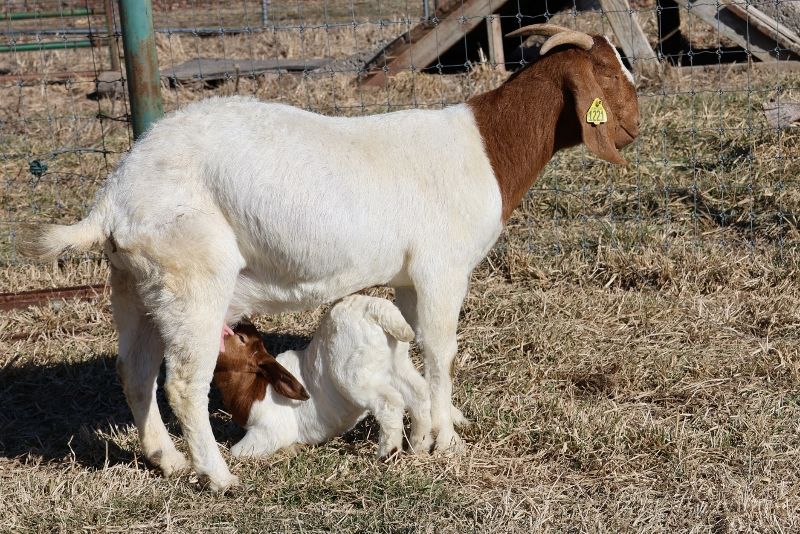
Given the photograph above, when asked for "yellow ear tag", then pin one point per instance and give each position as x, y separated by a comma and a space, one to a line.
597, 113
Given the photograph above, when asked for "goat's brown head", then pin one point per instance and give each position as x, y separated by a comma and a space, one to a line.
245, 369
590, 68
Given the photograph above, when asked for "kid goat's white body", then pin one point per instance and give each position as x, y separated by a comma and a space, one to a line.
356, 363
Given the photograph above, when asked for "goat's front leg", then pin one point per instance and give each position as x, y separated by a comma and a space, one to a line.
406, 301
438, 306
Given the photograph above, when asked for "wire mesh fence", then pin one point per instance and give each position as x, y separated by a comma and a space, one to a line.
707, 172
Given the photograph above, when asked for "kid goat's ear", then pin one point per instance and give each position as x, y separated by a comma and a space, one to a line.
282, 380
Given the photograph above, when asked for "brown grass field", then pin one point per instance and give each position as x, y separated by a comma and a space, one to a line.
628, 353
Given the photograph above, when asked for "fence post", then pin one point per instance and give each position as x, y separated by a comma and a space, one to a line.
141, 63
113, 50
264, 13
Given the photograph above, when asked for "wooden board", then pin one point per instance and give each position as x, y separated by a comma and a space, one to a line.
630, 35
435, 40
762, 67
783, 35
213, 69
731, 26
23, 299
782, 114
496, 54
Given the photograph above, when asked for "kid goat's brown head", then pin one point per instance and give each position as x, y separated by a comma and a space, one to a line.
245, 370
588, 68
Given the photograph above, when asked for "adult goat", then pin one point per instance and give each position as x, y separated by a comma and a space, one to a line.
233, 206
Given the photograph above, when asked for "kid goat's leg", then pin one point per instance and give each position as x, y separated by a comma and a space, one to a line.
388, 408
438, 305
418, 400
386, 403
140, 354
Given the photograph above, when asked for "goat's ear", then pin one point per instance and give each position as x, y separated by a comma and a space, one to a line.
282, 380
599, 138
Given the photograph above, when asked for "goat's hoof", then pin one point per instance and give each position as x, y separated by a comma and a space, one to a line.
221, 484
458, 417
294, 449
172, 464
421, 445
449, 443
240, 450
390, 456
248, 450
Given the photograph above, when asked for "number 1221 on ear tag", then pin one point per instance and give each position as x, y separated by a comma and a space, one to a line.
597, 113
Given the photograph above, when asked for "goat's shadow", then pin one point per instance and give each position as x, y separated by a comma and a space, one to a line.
72, 411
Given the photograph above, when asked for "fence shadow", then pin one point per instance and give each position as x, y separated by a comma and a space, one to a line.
70, 411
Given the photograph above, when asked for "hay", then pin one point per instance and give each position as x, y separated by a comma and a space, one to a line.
628, 351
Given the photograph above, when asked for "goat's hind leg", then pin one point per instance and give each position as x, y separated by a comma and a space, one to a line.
189, 307
140, 354
192, 345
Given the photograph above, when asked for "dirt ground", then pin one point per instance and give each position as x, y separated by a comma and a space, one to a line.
628, 352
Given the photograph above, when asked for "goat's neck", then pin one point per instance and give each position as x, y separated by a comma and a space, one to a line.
518, 122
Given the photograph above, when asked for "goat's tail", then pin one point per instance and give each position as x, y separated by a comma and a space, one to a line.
387, 316
48, 241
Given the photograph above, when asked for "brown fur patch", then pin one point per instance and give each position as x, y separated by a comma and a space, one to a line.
539, 110
237, 378
244, 371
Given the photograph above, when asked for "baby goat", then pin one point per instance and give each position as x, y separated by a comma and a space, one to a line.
357, 362
231, 206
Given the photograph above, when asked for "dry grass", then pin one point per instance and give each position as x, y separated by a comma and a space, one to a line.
628, 352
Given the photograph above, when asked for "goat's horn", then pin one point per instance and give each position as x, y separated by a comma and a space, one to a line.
558, 35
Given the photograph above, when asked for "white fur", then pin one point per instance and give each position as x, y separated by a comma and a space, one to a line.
355, 364
233, 206
622, 66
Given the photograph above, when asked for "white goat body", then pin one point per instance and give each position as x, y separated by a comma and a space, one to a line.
313, 207
232, 206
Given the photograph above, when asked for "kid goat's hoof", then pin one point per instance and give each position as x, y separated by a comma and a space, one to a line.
458, 418
390, 456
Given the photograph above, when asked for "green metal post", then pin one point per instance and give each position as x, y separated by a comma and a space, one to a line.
141, 64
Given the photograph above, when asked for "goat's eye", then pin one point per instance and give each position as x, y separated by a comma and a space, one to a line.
241, 337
